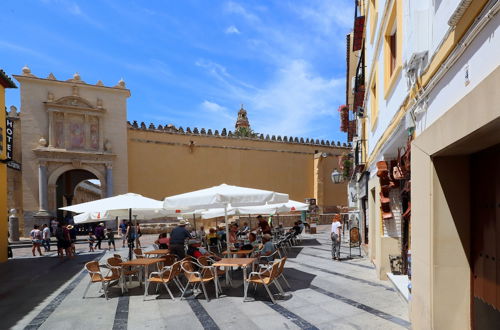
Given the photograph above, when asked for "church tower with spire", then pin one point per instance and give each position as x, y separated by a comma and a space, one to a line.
242, 120
242, 126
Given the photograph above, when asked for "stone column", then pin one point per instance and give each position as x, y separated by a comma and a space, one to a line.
13, 226
109, 180
43, 200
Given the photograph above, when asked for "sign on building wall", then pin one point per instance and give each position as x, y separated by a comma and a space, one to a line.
9, 138
353, 194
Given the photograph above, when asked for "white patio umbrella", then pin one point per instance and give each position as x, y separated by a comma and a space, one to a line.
223, 196
119, 203
126, 205
259, 209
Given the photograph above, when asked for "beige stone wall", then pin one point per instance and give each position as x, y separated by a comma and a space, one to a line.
163, 164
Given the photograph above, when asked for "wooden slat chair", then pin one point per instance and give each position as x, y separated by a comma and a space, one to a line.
266, 261
266, 277
96, 276
167, 275
138, 253
218, 271
130, 271
198, 277
168, 260
280, 272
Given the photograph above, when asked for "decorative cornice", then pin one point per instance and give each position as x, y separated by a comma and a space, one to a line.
54, 153
171, 129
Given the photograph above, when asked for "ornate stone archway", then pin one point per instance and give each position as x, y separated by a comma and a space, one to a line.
56, 173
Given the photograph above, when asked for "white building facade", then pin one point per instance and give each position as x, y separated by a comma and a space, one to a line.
428, 137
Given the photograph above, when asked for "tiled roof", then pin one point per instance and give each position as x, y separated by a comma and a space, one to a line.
5, 80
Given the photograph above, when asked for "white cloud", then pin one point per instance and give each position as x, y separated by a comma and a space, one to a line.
327, 16
212, 106
232, 30
236, 8
296, 101
74, 9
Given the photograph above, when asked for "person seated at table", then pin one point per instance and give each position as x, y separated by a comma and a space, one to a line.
162, 241
196, 250
263, 225
200, 234
301, 225
253, 244
212, 233
244, 230
233, 229
296, 230
268, 246
221, 233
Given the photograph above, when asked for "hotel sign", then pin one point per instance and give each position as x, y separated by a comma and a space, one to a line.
9, 138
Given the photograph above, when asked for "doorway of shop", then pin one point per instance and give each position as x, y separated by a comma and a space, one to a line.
485, 242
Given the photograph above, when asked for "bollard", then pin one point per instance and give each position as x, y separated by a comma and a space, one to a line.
13, 226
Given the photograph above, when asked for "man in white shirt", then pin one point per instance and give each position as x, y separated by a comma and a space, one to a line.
46, 238
335, 235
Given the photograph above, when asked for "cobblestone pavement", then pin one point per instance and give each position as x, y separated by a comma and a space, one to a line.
46, 293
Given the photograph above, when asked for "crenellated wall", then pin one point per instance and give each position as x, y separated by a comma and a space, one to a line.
166, 160
229, 134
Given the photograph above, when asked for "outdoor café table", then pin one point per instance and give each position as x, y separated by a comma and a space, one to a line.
145, 262
237, 253
237, 262
157, 252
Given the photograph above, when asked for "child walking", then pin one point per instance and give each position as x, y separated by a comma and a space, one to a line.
111, 238
91, 241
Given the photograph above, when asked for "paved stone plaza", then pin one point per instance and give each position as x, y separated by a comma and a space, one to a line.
46, 293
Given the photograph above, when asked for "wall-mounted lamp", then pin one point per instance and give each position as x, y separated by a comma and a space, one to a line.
336, 176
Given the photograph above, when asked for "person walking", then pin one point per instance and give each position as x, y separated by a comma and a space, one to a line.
131, 234
46, 237
177, 239
335, 235
99, 235
66, 245
123, 232
138, 235
36, 239
111, 239
53, 226
72, 238
91, 240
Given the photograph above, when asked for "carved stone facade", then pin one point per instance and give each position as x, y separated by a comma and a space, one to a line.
70, 131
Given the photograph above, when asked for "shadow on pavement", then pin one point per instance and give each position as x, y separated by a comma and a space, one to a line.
298, 280
27, 282
309, 242
293, 253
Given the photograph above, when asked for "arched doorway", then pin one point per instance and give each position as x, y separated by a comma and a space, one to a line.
75, 186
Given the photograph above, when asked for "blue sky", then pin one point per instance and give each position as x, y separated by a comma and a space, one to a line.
194, 62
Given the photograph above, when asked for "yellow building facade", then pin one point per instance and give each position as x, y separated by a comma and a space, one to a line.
5, 82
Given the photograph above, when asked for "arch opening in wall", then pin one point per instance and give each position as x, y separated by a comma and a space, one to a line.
74, 187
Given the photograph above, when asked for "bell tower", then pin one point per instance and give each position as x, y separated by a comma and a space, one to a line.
242, 120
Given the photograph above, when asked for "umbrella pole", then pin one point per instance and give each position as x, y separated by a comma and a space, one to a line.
227, 228
130, 242
194, 221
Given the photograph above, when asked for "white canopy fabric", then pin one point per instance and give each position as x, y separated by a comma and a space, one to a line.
259, 209
118, 206
119, 202
88, 217
222, 196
